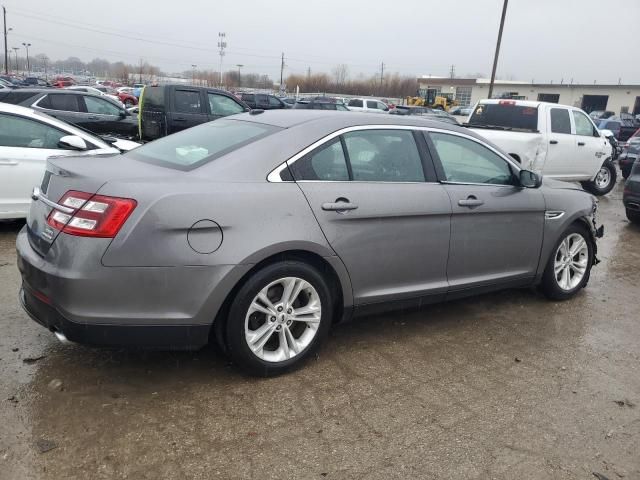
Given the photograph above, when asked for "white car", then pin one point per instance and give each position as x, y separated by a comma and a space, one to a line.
27, 139
369, 105
555, 140
95, 91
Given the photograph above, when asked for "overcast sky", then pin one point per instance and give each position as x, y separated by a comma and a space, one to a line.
543, 39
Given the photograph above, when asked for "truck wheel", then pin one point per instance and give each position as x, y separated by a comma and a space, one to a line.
626, 171
633, 216
605, 180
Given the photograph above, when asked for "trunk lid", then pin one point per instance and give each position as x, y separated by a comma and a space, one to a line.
81, 173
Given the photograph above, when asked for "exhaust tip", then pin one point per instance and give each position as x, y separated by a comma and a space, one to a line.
61, 337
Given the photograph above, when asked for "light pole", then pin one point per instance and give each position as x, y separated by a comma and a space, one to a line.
239, 65
222, 44
26, 46
193, 74
495, 57
15, 50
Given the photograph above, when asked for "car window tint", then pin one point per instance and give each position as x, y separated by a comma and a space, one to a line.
187, 101
262, 100
325, 163
583, 124
355, 103
560, 122
58, 101
274, 102
248, 97
384, 156
222, 105
100, 106
23, 132
467, 161
196, 146
372, 104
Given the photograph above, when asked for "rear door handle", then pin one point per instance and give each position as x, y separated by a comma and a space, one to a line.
553, 142
581, 144
340, 205
471, 201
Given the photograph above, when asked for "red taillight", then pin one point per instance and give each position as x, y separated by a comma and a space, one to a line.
93, 216
507, 102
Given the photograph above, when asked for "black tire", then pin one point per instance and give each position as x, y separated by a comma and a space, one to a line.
626, 171
236, 342
549, 284
633, 216
593, 188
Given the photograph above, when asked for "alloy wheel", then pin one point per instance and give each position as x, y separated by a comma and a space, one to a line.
283, 319
571, 261
603, 178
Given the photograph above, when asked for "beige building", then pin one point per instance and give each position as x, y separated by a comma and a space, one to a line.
467, 91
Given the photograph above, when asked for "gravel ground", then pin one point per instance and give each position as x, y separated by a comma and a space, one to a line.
504, 386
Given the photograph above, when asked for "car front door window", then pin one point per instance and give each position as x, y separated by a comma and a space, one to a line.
223, 106
372, 104
584, 126
100, 106
466, 161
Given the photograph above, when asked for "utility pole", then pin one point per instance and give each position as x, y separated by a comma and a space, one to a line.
495, 57
26, 46
45, 59
222, 44
193, 74
381, 76
308, 73
452, 71
140, 72
281, 72
6, 49
239, 65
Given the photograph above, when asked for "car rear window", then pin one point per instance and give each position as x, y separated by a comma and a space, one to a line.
199, 145
506, 115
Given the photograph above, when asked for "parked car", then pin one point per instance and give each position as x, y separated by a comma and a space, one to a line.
629, 155
268, 227
622, 128
598, 115
558, 141
96, 113
321, 103
616, 148
137, 89
369, 105
262, 101
11, 80
127, 99
460, 110
27, 138
425, 112
631, 194
289, 101
93, 90
167, 109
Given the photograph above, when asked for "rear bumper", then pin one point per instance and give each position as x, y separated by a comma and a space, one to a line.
151, 336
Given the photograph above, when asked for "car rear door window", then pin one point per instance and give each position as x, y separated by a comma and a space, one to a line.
262, 101
223, 105
100, 106
466, 161
355, 103
23, 132
560, 121
584, 126
248, 98
59, 101
187, 101
327, 162
384, 156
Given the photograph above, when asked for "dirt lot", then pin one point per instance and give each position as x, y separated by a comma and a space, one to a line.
504, 386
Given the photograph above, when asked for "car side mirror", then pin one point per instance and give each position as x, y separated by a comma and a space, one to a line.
529, 179
72, 142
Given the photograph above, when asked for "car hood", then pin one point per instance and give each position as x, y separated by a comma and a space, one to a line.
125, 145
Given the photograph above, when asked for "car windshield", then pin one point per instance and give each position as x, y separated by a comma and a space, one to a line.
506, 115
196, 146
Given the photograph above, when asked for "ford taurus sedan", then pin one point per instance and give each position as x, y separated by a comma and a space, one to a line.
261, 230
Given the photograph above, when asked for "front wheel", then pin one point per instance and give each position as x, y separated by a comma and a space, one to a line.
633, 215
604, 181
279, 317
569, 266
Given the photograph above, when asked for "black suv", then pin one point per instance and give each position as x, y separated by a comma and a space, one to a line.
167, 109
263, 101
98, 114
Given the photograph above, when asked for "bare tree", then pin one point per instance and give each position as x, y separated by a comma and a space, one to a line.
340, 74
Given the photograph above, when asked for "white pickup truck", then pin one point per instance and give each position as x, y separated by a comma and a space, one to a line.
557, 141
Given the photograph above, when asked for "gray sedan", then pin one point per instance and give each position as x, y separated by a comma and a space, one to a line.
261, 230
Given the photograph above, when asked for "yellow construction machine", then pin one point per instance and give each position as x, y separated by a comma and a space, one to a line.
433, 99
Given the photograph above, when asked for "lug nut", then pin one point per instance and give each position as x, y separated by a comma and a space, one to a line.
273, 319
288, 322
278, 327
279, 309
290, 311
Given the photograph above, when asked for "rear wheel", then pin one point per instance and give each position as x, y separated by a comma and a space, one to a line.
604, 181
569, 266
633, 215
279, 318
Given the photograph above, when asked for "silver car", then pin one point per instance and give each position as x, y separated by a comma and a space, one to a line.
261, 230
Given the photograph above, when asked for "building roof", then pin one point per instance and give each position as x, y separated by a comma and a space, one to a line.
486, 81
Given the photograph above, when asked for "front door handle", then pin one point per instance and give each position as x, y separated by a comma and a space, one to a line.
553, 142
581, 144
471, 201
341, 205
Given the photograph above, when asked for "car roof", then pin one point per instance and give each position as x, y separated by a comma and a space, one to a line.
51, 90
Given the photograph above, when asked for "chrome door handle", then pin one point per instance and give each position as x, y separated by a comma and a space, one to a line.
339, 206
470, 201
